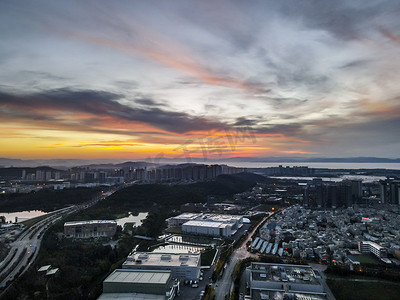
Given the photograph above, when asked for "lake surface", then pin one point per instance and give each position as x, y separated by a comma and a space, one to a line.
393, 166
132, 219
22, 215
364, 178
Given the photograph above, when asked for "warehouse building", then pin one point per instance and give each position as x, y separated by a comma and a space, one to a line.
183, 218
88, 229
139, 284
216, 229
283, 281
207, 224
182, 266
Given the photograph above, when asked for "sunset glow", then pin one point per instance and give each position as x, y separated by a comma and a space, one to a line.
145, 79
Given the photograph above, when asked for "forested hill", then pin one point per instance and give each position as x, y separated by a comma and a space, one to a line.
154, 196
134, 198
46, 200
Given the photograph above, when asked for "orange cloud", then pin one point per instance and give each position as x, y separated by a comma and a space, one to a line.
389, 35
176, 59
380, 109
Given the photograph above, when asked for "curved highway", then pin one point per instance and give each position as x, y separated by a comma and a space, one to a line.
27, 245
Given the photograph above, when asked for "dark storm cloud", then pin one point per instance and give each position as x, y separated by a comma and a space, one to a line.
285, 129
101, 104
242, 121
147, 102
355, 64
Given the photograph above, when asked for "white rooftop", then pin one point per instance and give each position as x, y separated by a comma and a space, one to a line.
130, 296
200, 223
188, 216
51, 271
162, 259
44, 268
74, 223
209, 217
139, 276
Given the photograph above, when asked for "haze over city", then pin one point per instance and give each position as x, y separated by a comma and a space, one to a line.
137, 79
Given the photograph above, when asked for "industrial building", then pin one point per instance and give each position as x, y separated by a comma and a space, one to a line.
368, 247
183, 218
283, 281
88, 229
207, 224
207, 228
139, 284
182, 266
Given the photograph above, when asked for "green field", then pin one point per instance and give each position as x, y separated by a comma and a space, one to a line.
367, 259
346, 289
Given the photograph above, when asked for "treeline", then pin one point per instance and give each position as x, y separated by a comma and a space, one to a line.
46, 200
385, 273
152, 196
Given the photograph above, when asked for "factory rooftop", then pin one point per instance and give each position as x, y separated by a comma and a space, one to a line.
130, 296
139, 276
221, 218
162, 259
77, 223
279, 295
200, 223
283, 273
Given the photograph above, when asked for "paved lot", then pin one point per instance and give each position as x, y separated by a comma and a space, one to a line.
189, 293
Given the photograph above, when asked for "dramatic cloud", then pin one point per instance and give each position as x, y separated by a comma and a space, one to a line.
89, 105
142, 77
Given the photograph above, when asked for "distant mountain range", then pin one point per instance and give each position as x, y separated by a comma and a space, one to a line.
316, 159
113, 163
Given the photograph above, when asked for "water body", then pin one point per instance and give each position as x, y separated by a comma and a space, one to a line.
22, 215
392, 166
364, 178
132, 219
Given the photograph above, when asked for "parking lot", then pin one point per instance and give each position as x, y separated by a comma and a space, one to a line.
187, 292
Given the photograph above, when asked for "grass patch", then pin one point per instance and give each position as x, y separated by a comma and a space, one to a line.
175, 230
367, 259
349, 290
207, 257
129, 226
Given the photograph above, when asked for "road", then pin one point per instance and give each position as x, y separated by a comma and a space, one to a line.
321, 270
31, 238
224, 286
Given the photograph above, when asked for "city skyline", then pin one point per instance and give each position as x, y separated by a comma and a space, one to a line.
132, 80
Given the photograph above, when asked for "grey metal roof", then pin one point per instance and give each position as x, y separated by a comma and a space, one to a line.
139, 276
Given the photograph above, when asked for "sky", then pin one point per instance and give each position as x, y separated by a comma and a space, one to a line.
208, 79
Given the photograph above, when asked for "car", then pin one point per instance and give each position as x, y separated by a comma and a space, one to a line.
195, 285
201, 278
